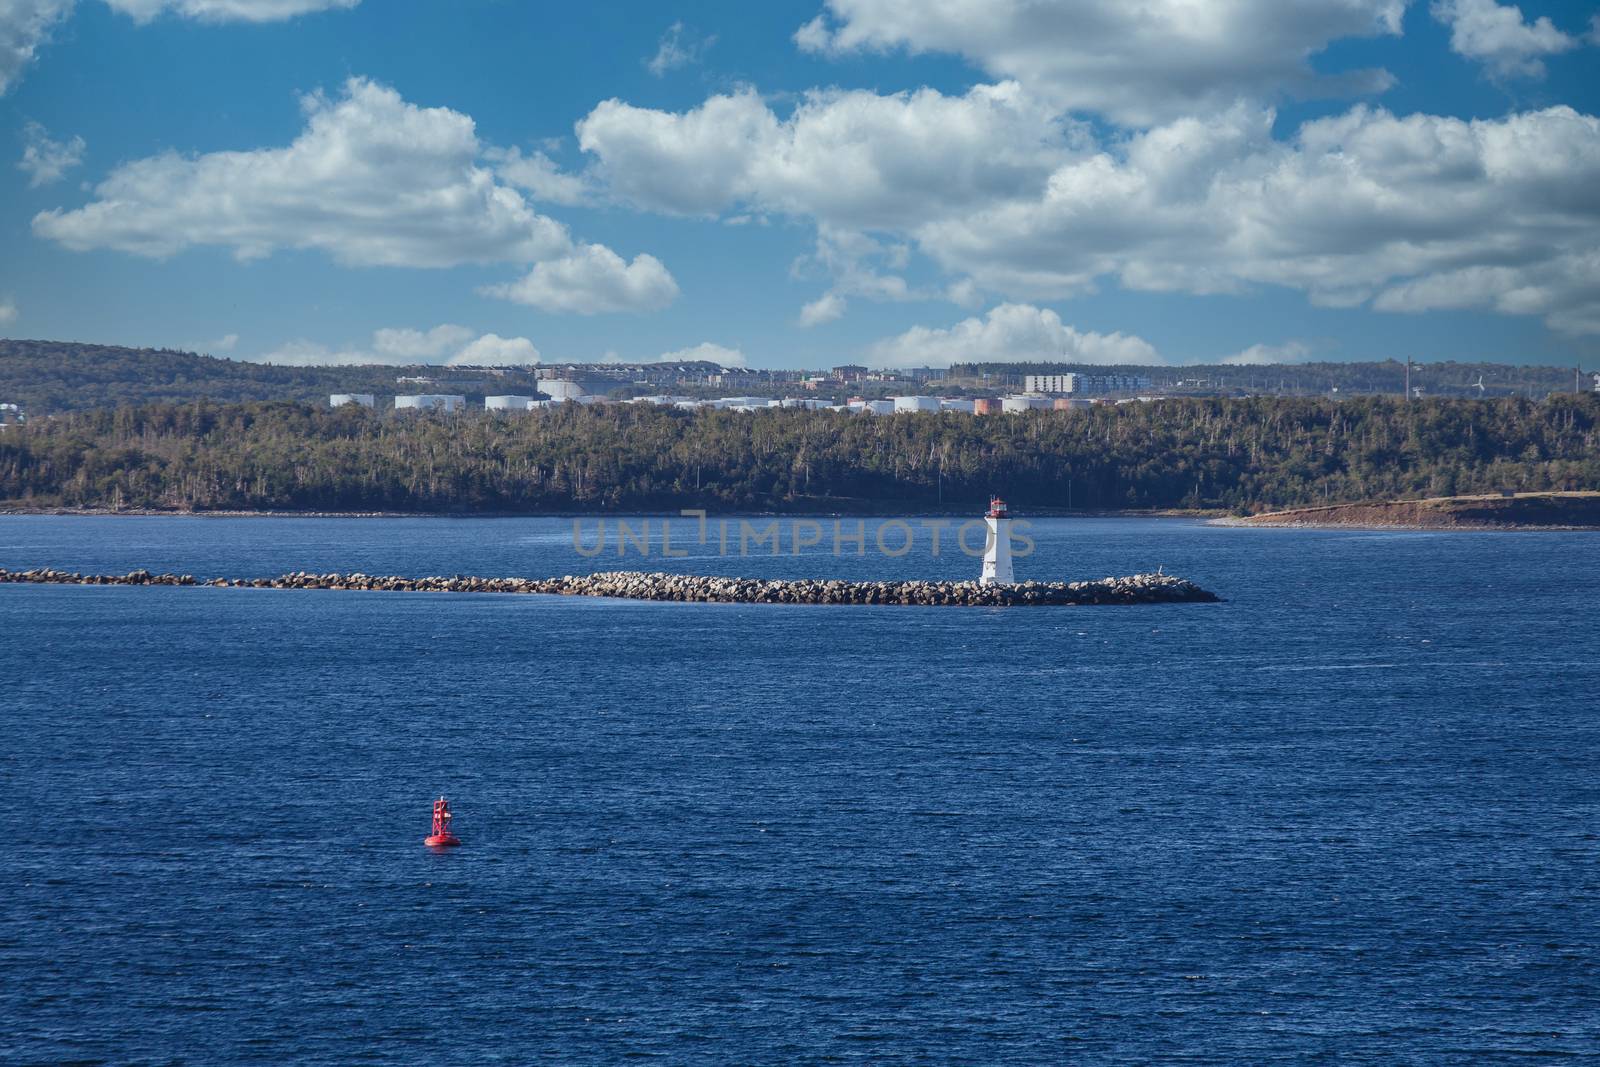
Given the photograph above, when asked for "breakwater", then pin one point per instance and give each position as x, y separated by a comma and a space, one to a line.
635, 585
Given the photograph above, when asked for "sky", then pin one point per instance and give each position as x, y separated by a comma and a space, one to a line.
803, 183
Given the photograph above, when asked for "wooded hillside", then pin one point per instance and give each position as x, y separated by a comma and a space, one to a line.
1236, 454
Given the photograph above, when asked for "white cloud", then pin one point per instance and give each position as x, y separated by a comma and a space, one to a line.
372, 180
492, 350
1566, 291
226, 10
538, 174
407, 345
590, 280
45, 160
705, 350
304, 353
1136, 62
226, 343
855, 159
8, 312
1010, 333
446, 345
24, 26
1498, 36
826, 308
1010, 199
1353, 205
1259, 354
678, 48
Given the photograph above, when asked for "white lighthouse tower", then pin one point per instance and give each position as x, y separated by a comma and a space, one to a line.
997, 553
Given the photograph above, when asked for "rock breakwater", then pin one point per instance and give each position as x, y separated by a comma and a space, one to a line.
637, 585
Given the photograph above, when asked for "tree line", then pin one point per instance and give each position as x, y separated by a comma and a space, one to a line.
1242, 455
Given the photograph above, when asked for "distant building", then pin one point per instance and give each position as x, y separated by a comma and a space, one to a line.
415, 380
430, 402
509, 402
1084, 384
339, 400
986, 405
849, 373
1050, 383
1011, 404
916, 403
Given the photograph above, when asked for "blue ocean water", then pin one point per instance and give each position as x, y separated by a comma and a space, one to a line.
1351, 814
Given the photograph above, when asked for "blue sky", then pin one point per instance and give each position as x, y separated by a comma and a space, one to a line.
804, 183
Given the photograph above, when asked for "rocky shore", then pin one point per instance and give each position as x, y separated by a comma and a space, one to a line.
635, 585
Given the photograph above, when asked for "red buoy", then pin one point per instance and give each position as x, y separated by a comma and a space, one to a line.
441, 836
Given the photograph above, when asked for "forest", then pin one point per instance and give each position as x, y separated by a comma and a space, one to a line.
1239, 455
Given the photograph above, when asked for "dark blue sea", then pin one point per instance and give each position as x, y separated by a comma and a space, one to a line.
1350, 815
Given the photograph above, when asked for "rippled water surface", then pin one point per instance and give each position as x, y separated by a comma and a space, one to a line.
1351, 813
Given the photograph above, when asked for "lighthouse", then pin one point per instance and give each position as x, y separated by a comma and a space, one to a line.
997, 553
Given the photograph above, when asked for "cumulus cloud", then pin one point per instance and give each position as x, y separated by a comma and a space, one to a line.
705, 350
406, 345
1260, 354
45, 160
1498, 36
858, 159
304, 353
1009, 200
1010, 333
8, 311
1137, 63
679, 47
447, 345
226, 10
1353, 205
372, 180
492, 350
590, 280
24, 27
825, 308
25, 24
226, 343
538, 175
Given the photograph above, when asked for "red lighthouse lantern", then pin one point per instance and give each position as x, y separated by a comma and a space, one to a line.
441, 837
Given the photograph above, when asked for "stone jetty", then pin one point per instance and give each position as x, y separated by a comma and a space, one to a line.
635, 585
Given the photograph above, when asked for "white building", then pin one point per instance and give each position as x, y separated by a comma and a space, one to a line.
339, 400
1024, 403
558, 389
916, 403
510, 402
1050, 383
430, 402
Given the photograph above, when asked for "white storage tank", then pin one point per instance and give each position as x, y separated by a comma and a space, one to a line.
506, 403
429, 402
1024, 403
879, 407
339, 400
964, 406
559, 389
916, 403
